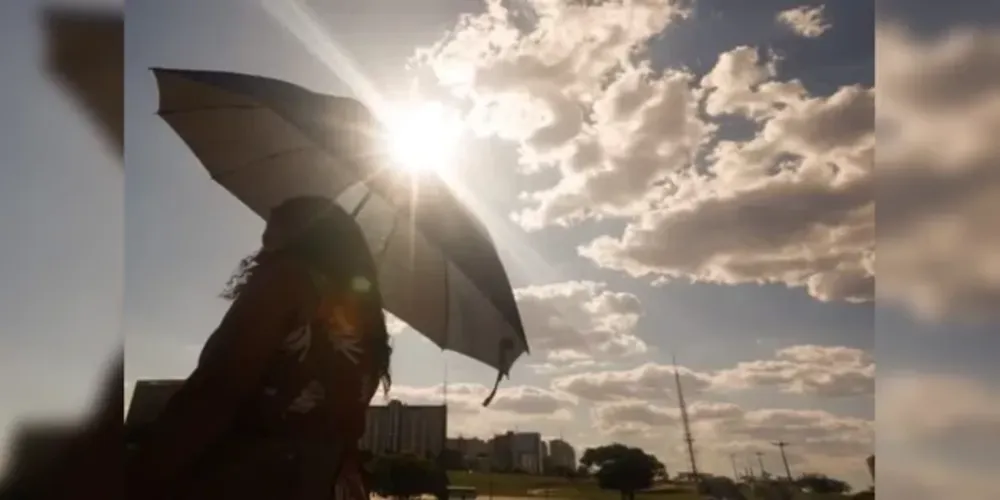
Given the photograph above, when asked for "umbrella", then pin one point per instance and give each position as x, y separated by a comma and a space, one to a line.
267, 140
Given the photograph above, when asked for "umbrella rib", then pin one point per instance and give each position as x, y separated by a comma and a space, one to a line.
233, 170
388, 239
172, 112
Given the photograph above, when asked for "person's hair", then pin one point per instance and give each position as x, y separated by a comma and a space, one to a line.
334, 245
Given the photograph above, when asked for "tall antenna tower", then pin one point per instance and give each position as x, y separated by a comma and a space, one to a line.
688, 438
781, 446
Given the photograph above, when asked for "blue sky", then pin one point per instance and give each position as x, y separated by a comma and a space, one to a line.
179, 235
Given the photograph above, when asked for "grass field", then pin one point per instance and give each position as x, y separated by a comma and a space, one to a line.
524, 485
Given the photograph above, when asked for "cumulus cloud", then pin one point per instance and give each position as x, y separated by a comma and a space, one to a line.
547, 87
793, 205
562, 367
822, 441
939, 172
824, 371
644, 127
805, 21
525, 84
807, 369
609, 416
512, 405
576, 321
650, 381
942, 439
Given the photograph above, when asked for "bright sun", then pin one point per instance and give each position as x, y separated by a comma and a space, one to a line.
424, 136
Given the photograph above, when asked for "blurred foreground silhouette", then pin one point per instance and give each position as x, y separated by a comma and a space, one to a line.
67, 459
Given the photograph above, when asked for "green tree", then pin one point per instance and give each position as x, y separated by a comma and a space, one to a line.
406, 476
820, 483
593, 458
622, 468
452, 460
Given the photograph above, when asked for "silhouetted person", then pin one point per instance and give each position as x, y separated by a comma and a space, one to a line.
277, 403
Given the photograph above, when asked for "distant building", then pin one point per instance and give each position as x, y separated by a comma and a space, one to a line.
469, 447
562, 454
400, 428
518, 451
475, 452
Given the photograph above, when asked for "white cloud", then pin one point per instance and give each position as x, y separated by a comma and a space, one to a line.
939, 437
812, 370
524, 84
511, 406
821, 441
737, 84
563, 367
939, 172
805, 21
578, 321
608, 416
794, 205
468, 398
807, 369
648, 382
643, 127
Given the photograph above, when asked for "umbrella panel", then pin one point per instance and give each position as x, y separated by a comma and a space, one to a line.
428, 292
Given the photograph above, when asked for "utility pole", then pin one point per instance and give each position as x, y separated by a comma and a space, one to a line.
760, 461
688, 438
781, 446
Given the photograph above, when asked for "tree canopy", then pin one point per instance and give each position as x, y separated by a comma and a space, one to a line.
405, 476
622, 468
820, 483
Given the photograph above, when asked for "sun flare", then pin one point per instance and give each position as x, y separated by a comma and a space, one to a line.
424, 136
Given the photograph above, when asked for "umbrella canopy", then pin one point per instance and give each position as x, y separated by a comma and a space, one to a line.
267, 140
